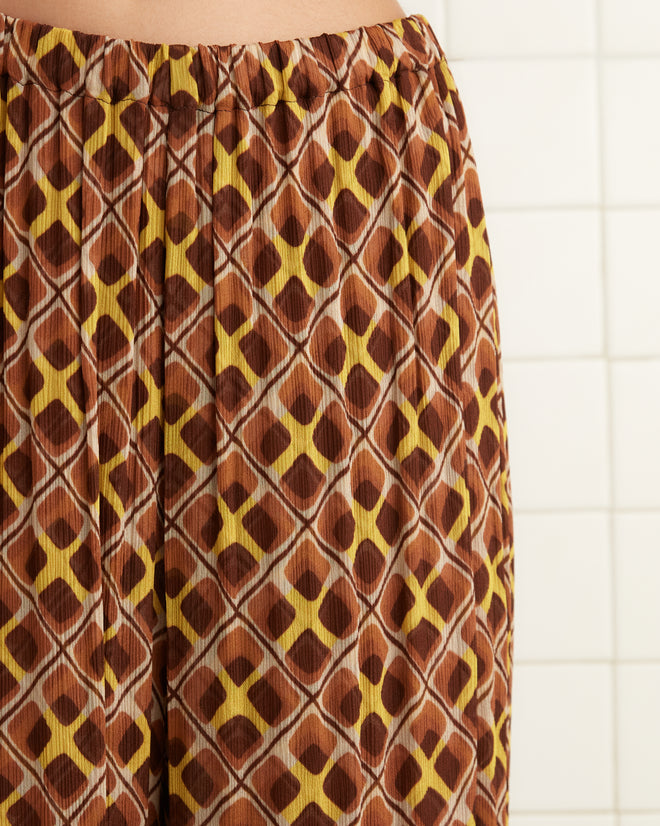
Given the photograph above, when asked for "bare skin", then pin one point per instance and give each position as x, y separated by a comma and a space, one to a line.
205, 21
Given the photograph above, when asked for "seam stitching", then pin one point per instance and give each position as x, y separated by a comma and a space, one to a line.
150, 104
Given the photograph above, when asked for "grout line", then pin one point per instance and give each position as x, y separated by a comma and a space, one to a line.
600, 118
580, 812
580, 661
535, 57
562, 208
577, 357
586, 510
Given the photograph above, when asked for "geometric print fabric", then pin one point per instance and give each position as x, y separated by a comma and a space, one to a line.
256, 517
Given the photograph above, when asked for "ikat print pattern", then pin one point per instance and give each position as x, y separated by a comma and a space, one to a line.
257, 537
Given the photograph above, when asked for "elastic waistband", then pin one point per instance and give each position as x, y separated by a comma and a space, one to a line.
209, 76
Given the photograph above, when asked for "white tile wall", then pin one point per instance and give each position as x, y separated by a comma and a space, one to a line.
538, 274
627, 819
631, 127
636, 443
533, 129
556, 618
630, 28
638, 735
562, 105
637, 574
567, 820
562, 742
510, 28
632, 324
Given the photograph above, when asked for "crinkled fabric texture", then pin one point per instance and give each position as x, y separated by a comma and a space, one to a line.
257, 541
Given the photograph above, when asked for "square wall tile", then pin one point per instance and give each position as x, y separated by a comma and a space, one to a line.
633, 281
557, 416
635, 416
637, 575
638, 735
533, 129
548, 277
631, 131
562, 738
563, 587
632, 27
652, 819
518, 28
